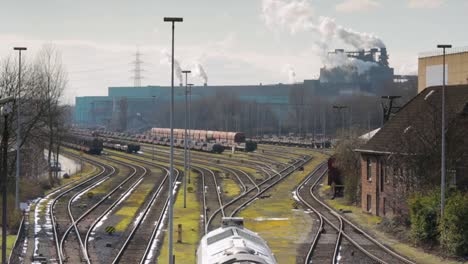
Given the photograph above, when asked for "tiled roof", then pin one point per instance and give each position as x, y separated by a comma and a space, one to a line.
419, 122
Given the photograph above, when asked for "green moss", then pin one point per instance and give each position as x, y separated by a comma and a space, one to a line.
230, 187
132, 204
274, 219
10, 242
189, 217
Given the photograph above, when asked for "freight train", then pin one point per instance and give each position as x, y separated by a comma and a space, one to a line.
225, 139
88, 144
232, 243
111, 136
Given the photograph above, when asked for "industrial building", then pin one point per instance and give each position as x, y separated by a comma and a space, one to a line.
400, 157
430, 67
130, 105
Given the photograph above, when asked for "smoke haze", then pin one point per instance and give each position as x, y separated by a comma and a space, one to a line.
166, 60
296, 16
198, 71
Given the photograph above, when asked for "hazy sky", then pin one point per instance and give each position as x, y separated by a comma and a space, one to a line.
233, 40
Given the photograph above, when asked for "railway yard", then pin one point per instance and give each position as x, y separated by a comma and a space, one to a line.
115, 210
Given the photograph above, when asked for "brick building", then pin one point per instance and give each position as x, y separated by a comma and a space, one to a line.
404, 156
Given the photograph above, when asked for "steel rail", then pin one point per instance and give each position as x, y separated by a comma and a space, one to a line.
52, 205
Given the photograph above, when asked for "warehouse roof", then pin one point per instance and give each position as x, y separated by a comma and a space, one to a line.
439, 52
417, 124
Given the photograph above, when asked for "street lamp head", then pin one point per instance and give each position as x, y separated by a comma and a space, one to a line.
391, 97
173, 19
444, 46
340, 106
186, 71
20, 48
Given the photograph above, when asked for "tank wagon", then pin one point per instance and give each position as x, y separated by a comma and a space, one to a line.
232, 243
88, 144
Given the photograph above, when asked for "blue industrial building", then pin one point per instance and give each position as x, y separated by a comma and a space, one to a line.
140, 102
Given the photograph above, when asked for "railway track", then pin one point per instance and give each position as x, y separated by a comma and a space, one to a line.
233, 207
336, 238
141, 245
45, 226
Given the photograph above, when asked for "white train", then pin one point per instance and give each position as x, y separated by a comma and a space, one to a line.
232, 243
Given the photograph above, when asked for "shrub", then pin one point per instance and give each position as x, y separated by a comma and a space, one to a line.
424, 215
190, 189
454, 225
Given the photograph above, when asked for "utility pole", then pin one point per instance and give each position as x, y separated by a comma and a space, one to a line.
18, 129
185, 138
154, 123
388, 110
5, 111
172, 20
443, 165
190, 129
340, 108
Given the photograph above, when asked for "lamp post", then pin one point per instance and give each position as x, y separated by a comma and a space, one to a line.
6, 109
340, 108
185, 140
18, 129
154, 123
189, 85
171, 20
443, 165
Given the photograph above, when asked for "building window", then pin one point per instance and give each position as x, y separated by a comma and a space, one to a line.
369, 203
369, 169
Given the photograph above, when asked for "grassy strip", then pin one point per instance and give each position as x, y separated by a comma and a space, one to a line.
371, 223
230, 188
10, 241
132, 204
190, 219
275, 220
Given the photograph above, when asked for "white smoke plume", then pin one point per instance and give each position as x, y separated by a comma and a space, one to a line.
341, 59
289, 69
198, 71
167, 59
298, 15
292, 15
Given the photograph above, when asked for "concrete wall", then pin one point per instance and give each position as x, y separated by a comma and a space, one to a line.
457, 65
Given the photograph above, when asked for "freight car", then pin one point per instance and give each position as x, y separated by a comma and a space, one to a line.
88, 144
232, 243
122, 146
223, 138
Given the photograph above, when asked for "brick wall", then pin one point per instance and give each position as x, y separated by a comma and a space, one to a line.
374, 185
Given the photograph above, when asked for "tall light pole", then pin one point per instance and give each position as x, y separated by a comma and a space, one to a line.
442, 165
154, 123
18, 129
340, 108
5, 111
189, 85
171, 20
185, 139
